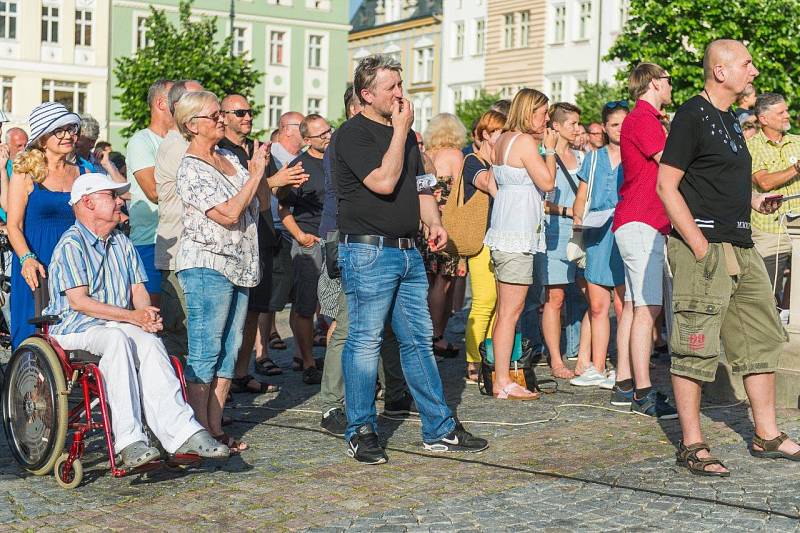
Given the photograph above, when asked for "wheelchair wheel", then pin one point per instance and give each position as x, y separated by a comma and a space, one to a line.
75, 476
34, 404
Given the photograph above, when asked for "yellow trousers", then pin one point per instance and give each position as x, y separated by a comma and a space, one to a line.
484, 298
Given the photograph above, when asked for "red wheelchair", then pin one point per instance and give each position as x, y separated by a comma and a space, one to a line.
40, 377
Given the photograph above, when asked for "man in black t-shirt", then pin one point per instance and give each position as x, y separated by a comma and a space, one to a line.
383, 193
721, 290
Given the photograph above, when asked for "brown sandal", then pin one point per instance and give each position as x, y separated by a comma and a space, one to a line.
769, 448
687, 456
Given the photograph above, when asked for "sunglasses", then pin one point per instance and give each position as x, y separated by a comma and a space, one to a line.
241, 113
326, 133
617, 103
668, 78
213, 116
66, 131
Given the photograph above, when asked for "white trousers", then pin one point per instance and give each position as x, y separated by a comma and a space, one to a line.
123, 348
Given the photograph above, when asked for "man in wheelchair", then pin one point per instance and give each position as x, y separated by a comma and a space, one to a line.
97, 288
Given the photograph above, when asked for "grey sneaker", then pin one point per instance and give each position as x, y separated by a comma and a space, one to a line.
204, 445
138, 453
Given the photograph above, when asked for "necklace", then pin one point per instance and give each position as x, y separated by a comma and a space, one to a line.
731, 142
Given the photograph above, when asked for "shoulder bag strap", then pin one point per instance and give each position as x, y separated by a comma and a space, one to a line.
592, 169
563, 167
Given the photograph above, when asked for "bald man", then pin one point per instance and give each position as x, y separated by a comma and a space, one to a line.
721, 292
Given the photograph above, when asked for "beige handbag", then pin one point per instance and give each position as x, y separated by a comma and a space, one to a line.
465, 223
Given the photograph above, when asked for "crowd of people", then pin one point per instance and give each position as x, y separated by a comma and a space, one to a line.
193, 242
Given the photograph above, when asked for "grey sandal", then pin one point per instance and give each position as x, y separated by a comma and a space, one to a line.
138, 453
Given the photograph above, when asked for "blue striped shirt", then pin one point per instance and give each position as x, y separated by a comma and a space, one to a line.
109, 268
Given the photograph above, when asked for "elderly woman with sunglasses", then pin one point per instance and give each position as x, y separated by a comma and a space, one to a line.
39, 212
217, 260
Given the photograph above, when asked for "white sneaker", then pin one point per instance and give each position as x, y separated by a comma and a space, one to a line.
590, 378
611, 379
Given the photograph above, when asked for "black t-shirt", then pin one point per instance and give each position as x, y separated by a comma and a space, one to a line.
472, 167
307, 200
360, 146
716, 184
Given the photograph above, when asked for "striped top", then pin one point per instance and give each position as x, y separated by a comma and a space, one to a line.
109, 268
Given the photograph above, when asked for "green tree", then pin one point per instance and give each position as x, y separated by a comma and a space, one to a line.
470, 110
674, 35
189, 51
591, 98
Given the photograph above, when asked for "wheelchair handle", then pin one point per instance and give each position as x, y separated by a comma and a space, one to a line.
41, 296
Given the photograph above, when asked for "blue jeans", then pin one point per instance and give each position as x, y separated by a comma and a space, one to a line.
381, 284
215, 312
147, 253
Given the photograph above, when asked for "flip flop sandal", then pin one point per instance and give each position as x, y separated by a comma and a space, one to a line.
235, 446
240, 385
275, 342
769, 448
297, 363
686, 456
562, 373
516, 392
267, 367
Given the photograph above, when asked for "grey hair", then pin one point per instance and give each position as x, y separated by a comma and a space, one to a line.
158, 88
367, 70
177, 90
90, 128
12, 131
766, 100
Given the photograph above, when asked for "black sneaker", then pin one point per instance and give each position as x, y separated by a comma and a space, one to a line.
656, 405
334, 422
312, 376
621, 397
365, 448
459, 440
403, 406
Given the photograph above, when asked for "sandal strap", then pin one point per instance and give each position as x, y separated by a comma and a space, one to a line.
771, 445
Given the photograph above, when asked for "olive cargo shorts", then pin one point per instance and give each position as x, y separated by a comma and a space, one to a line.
713, 309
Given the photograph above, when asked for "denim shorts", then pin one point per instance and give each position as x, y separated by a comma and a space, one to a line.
216, 310
306, 265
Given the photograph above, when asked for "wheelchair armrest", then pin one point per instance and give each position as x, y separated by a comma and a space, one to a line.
40, 321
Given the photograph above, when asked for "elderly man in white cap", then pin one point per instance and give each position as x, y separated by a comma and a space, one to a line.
97, 288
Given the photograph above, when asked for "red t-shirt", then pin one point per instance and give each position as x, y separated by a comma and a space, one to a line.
641, 138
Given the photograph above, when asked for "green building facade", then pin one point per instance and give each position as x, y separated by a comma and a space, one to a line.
300, 46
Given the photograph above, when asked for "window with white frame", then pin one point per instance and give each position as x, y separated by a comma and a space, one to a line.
423, 65
70, 93
458, 39
556, 90
480, 37
314, 105
559, 23
8, 19
49, 24
240, 40
276, 44
83, 27
323, 5
6, 93
315, 51
623, 13
141, 32
524, 28
585, 19
458, 95
274, 110
287, 3
508, 31
427, 111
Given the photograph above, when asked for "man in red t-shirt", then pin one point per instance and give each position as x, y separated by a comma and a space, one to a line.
640, 224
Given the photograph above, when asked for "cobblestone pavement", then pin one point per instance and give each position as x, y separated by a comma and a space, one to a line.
565, 462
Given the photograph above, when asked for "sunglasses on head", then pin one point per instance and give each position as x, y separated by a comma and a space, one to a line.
617, 103
241, 113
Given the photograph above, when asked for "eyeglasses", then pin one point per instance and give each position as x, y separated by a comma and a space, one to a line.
617, 103
293, 124
112, 194
668, 78
241, 113
326, 133
213, 116
66, 131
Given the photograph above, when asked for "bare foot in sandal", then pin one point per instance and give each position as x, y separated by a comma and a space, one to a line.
514, 391
780, 447
235, 446
562, 372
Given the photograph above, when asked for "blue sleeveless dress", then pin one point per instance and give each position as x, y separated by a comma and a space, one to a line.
47, 216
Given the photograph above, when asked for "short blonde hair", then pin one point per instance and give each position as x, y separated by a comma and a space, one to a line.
32, 160
444, 130
524, 105
640, 78
189, 105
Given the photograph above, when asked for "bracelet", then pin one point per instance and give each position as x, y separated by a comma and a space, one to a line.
549, 152
29, 255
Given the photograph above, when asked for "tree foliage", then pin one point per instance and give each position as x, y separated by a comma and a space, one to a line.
591, 98
470, 110
188, 51
674, 35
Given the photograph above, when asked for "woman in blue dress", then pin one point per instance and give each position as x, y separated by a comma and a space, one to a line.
39, 210
604, 269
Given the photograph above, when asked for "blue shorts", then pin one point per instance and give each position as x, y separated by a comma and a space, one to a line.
148, 254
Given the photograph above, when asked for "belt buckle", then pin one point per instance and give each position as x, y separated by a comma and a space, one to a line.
404, 243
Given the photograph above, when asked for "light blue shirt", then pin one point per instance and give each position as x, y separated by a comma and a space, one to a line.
108, 268
607, 180
141, 153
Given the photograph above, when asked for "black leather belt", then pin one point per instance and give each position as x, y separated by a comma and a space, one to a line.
404, 243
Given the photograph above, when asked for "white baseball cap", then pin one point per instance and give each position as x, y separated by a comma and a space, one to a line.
94, 182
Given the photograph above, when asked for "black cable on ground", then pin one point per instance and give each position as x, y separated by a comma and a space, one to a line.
553, 475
